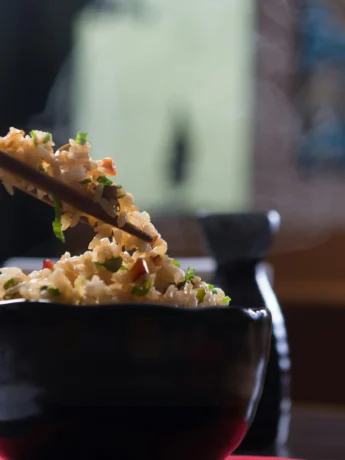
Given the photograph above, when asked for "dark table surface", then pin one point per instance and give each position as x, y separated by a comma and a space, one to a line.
317, 433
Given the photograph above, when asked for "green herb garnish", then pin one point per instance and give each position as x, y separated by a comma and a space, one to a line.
88, 180
33, 134
47, 138
173, 261
212, 289
81, 138
123, 268
54, 292
200, 295
104, 181
226, 299
142, 290
118, 186
190, 274
113, 265
57, 227
11, 282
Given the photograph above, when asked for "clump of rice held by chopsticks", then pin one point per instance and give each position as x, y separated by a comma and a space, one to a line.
117, 267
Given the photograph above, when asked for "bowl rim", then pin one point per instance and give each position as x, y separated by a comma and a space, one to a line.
143, 306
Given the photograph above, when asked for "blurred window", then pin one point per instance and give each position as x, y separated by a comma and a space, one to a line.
166, 88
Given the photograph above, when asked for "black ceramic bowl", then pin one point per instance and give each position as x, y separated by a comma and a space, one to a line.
128, 381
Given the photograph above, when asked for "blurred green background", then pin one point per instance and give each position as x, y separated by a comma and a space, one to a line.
166, 89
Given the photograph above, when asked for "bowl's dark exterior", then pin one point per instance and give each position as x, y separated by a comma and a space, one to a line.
128, 381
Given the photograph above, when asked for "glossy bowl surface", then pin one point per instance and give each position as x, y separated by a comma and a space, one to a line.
128, 381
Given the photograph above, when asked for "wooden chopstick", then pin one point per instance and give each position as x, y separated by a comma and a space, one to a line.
63, 192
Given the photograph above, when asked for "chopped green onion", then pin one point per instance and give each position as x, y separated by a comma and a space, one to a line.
212, 289
190, 274
176, 263
81, 138
33, 134
141, 291
57, 227
54, 292
47, 138
88, 180
113, 265
226, 299
11, 282
200, 295
123, 268
104, 181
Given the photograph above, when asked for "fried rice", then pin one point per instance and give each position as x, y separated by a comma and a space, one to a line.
117, 267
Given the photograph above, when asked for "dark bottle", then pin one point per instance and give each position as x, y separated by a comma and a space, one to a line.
239, 244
